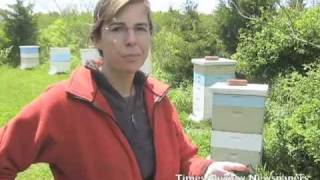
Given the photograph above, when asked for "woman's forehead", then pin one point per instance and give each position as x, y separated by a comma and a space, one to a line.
132, 13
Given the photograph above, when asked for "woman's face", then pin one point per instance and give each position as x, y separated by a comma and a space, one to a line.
125, 41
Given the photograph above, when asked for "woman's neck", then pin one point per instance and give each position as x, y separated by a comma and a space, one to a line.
121, 81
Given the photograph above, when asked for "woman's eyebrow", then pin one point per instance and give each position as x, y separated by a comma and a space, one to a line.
117, 24
124, 24
142, 24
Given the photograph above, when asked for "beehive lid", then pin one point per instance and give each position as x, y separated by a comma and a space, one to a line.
29, 46
249, 89
221, 61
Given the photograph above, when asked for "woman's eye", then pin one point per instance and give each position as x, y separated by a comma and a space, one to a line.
117, 29
141, 29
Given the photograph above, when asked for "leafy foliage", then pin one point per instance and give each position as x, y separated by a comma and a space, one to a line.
280, 43
77, 27
182, 97
4, 55
293, 129
20, 28
168, 58
4, 41
233, 15
178, 38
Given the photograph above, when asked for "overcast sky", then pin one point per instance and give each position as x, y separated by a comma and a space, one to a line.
204, 6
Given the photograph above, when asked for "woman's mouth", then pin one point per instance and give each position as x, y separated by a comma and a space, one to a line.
132, 57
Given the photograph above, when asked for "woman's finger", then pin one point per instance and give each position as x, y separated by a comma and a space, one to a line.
236, 167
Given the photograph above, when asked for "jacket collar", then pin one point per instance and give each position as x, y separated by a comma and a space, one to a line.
83, 86
158, 88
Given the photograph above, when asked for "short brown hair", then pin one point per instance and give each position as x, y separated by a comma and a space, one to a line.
106, 10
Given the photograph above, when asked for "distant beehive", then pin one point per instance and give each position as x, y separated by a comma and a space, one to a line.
29, 56
147, 66
237, 122
60, 60
89, 54
206, 73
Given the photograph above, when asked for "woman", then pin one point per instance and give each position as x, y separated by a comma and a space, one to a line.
109, 121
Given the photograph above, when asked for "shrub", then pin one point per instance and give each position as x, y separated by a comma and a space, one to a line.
77, 27
229, 20
182, 97
178, 38
4, 41
4, 55
20, 28
292, 131
280, 43
168, 59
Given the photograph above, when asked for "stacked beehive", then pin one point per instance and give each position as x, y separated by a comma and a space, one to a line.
60, 60
147, 66
237, 120
89, 55
206, 73
29, 56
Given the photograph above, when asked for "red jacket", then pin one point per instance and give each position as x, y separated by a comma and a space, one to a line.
71, 127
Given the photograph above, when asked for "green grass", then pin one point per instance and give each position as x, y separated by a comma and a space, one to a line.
39, 171
18, 88
199, 133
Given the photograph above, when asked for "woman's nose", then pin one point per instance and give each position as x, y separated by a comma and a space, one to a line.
131, 38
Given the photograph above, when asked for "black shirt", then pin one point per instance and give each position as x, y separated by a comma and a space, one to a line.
131, 117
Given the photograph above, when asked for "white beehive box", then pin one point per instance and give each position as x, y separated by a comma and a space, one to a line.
206, 73
147, 66
236, 147
29, 56
238, 108
60, 60
237, 122
89, 54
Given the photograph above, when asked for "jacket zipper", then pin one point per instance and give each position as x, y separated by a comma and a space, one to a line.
119, 132
158, 100
117, 128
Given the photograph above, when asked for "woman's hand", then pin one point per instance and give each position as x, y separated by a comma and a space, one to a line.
225, 169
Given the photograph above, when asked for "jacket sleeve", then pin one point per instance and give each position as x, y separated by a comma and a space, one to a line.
21, 140
191, 163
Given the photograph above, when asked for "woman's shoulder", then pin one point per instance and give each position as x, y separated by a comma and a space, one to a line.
55, 93
156, 86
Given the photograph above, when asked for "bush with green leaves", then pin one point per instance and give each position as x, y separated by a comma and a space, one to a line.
279, 43
178, 38
182, 97
233, 15
4, 55
168, 59
292, 131
71, 30
4, 41
20, 27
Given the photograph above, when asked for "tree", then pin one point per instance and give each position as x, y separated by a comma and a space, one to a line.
20, 27
232, 15
273, 46
179, 37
